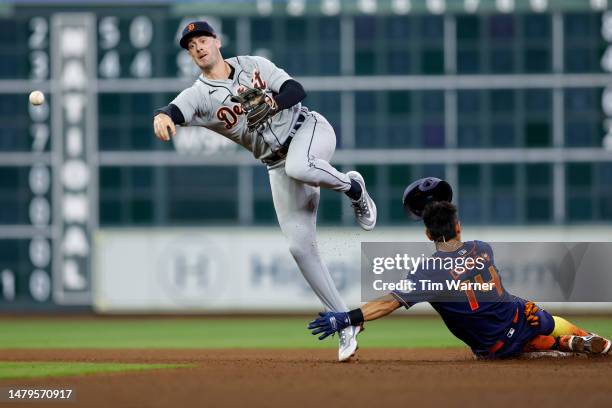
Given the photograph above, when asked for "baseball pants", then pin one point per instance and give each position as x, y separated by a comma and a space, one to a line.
295, 192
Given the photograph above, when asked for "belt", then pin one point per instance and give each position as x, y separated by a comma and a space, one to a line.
281, 153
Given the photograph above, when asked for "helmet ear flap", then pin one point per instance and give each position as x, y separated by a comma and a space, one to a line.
422, 192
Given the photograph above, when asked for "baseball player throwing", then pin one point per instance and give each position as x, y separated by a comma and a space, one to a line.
258, 105
494, 323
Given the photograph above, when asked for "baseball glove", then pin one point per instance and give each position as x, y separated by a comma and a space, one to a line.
257, 106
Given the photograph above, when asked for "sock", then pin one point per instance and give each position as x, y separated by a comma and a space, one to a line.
354, 192
563, 327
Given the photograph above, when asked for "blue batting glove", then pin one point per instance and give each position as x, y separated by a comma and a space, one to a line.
329, 323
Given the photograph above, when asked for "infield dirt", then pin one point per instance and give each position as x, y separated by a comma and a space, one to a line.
311, 378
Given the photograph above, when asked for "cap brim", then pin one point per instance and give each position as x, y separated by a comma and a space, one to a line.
185, 39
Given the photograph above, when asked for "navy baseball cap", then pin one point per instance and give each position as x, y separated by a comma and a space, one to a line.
422, 192
196, 28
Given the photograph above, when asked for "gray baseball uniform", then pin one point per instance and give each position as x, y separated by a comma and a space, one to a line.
295, 178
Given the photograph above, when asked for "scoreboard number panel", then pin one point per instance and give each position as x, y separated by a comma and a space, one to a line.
139, 37
38, 43
606, 66
36, 250
126, 47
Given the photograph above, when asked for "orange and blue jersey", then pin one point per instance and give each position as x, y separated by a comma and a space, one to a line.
472, 301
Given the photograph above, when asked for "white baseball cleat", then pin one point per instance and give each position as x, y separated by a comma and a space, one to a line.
591, 344
364, 207
595, 344
348, 342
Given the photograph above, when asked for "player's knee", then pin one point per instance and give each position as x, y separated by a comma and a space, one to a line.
297, 169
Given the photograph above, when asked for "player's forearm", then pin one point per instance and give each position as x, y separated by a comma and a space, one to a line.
379, 308
290, 93
173, 112
373, 310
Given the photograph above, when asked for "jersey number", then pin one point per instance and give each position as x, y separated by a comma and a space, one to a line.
478, 278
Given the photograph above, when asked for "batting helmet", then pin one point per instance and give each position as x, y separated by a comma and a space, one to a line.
423, 191
196, 28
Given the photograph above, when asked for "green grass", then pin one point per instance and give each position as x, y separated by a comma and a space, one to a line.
290, 332
24, 369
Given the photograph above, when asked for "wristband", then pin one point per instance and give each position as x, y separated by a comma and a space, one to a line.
173, 111
355, 317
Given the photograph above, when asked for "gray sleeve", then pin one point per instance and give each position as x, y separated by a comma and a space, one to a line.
192, 102
273, 75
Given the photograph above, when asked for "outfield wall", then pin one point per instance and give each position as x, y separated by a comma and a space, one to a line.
251, 270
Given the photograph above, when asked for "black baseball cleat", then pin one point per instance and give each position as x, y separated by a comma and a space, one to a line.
364, 207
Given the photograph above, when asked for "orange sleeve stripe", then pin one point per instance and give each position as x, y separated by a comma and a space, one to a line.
516, 316
496, 346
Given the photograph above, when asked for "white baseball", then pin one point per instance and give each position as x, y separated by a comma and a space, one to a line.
37, 98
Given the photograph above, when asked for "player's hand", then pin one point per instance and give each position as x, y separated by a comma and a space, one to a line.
530, 314
329, 323
164, 127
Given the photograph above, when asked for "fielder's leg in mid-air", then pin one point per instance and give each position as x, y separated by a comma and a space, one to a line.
254, 103
295, 191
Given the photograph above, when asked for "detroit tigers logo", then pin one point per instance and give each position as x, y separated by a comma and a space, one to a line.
257, 82
191, 27
229, 115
